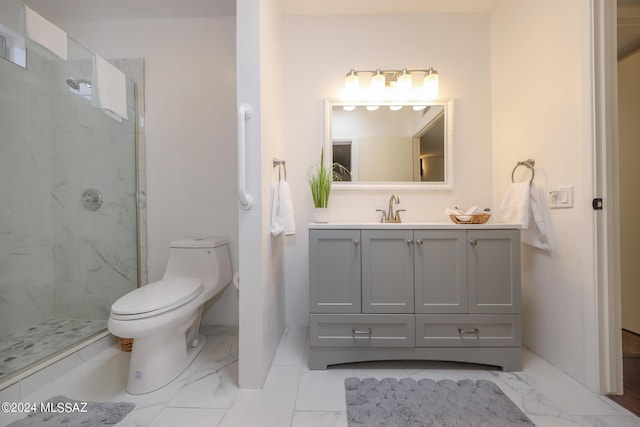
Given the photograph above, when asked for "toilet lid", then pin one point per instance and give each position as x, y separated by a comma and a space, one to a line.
157, 297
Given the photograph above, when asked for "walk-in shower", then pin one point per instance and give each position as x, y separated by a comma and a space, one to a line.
70, 215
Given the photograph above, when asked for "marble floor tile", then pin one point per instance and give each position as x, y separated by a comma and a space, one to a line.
193, 417
319, 419
323, 390
571, 396
209, 388
270, 406
206, 393
292, 347
607, 421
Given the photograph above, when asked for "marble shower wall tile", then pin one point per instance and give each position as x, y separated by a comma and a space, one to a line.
57, 258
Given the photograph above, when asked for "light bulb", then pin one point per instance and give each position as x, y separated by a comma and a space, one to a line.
395, 107
431, 84
372, 107
419, 107
404, 82
377, 84
348, 107
351, 84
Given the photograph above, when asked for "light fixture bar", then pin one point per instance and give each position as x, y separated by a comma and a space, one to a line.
401, 82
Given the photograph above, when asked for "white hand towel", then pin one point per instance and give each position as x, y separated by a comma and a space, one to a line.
516, 203
45, 33
109, 89
282, 218
538, 234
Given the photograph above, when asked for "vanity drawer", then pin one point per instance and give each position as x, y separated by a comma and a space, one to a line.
474, 330
362, 330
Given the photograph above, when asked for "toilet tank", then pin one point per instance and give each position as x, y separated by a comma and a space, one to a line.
204, 258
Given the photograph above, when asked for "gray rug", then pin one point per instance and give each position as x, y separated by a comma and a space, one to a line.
411, 403
72, 413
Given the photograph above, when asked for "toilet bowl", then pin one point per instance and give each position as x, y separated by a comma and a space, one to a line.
164, 317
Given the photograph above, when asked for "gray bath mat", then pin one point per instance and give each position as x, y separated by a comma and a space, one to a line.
410, 403
65, 412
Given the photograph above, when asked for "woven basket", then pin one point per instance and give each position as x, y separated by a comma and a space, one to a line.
475, 219
126, 344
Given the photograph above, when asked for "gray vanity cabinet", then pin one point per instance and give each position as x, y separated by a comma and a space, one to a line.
494, 271
335, 273
387, 271
441, 293
440, 264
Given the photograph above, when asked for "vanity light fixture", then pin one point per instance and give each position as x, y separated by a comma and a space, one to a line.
392, 84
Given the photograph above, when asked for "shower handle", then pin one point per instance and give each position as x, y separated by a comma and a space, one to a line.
92, 199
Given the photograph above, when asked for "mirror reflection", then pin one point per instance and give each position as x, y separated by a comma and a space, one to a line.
387, 144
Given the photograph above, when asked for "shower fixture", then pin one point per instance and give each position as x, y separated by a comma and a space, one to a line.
75, 83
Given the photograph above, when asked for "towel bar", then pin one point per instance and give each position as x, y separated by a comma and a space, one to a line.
280, 164
528, 163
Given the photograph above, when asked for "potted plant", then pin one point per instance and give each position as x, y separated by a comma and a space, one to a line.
320, 179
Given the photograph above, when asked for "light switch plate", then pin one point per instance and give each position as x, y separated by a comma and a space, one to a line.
561, 197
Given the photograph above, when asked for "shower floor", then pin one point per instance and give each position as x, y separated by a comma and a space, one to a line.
26, 347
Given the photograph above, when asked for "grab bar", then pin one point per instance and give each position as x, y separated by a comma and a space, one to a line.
244, 199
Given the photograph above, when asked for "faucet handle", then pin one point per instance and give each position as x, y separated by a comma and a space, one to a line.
384, 215
397, 218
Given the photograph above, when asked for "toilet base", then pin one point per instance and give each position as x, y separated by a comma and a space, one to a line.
158, 360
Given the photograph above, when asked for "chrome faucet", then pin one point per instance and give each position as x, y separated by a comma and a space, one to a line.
390, 216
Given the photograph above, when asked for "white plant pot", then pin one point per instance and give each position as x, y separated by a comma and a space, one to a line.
321, 215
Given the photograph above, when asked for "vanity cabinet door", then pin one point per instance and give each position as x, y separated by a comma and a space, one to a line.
387, 271
334, 271
440, 266
493, 271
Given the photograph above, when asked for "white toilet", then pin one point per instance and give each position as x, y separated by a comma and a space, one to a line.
163, 317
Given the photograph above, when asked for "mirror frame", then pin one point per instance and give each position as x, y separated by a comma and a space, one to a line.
447, 184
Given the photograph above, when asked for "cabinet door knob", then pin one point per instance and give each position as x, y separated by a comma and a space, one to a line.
356, 242
410, 242
473, 242
419, 242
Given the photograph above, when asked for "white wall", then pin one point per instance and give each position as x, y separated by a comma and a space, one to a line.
542, 103
629, 128
261, 256
190, 130
318, 52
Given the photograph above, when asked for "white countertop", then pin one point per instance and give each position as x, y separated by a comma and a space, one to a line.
408, 226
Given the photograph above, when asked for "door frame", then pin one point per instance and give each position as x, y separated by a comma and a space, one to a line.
608, 360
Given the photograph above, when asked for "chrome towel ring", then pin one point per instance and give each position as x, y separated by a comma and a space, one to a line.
528, 163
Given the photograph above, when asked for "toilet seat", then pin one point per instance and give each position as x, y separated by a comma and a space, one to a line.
156, 298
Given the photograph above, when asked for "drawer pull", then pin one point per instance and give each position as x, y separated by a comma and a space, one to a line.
474, 331
357, 333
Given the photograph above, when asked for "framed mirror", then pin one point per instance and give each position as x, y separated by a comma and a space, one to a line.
391, 145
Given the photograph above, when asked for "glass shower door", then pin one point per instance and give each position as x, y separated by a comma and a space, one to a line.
68, 205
